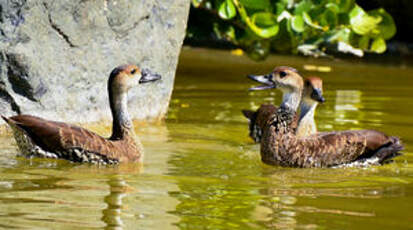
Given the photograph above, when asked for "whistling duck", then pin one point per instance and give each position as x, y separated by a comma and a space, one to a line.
312, 94
43, 138
281, 146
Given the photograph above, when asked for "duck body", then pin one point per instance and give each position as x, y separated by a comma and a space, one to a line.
38, 137
281, 146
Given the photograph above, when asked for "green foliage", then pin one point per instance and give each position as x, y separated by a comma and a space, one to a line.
227, 9
307, 26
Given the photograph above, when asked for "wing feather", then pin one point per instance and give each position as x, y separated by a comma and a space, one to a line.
58, 136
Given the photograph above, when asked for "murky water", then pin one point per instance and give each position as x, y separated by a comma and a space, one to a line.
201, 170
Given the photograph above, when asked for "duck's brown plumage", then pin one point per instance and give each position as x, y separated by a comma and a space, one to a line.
259, 118
43, 138
312, 92
59, 137
280, 145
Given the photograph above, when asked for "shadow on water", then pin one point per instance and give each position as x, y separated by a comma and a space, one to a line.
201, 170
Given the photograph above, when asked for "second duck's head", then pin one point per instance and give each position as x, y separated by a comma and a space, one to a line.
124, 77
313, 90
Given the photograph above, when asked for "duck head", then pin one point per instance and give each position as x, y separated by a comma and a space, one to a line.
125, 77
286, 79
313, 90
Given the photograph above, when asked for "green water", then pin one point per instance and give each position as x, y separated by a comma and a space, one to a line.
201, 170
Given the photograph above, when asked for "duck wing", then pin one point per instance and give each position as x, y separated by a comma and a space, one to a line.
346, 147
55, 136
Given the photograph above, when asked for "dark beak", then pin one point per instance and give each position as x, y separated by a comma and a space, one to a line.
317, 95
148, 76
264, 79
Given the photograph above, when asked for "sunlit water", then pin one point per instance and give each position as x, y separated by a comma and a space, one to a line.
201, 170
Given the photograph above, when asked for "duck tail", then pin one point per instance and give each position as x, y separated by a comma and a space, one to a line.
386, 153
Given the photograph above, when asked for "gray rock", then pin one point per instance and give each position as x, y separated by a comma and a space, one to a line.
56, 56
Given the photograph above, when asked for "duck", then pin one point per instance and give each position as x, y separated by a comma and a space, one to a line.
281, 146
311, 96
38, 137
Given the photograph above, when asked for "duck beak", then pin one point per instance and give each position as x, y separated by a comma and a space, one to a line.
317, 95
264, 79
148, 76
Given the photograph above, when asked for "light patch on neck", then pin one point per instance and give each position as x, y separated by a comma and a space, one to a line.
291, 99
306, 124
307, 108
121, 107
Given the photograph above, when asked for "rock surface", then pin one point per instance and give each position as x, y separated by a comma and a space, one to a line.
56, 56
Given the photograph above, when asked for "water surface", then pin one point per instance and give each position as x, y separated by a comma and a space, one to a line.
201, 170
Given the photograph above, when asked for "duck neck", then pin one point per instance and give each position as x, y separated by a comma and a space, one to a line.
307, 110
122, 124
291, 99
306, 123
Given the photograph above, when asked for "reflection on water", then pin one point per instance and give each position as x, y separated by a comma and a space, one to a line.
201, 170
347, 101
112, 214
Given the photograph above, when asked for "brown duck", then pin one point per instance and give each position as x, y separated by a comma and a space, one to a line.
281, 146
311, 96
37, 137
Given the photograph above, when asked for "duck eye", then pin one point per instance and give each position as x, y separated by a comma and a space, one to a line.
283, 74
133, 71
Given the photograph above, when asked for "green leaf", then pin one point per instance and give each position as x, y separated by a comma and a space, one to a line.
297, 23
342, 35
256, 4
378, 45
387, 27
309, 21
280, 7
303, 6
364, 42
343, 19
227, 9
264, 24
346, 5
361, 22
333, 7
329, 19
264, 19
